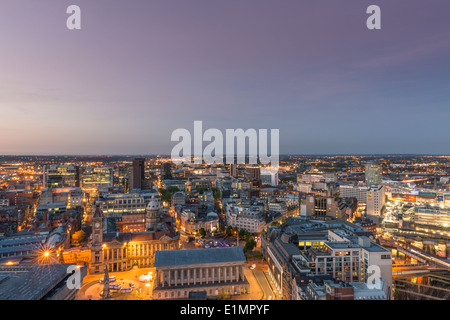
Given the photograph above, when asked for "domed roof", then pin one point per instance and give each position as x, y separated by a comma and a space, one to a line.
153, 205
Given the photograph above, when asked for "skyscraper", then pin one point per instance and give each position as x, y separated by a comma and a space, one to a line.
137, 180
373, 173
233, 170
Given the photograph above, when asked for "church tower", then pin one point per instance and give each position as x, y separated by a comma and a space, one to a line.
152, 215
97, 240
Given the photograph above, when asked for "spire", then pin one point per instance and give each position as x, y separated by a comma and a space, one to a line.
106, 294
97, 212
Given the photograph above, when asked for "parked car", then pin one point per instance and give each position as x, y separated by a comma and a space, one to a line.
146, 277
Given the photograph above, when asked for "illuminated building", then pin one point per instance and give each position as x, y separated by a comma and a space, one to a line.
72, 197
114, 204
376, 202
335, 247
61, 176
438, 217
373, 173
320, 206
137, 180
248, 218
350, 191
120, 251
93, 178
213, 271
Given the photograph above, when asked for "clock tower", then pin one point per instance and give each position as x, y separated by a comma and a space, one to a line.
97, 240
97, 227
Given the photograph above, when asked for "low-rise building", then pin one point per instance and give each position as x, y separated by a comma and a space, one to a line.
213, 271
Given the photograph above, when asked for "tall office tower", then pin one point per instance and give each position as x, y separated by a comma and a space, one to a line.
44, 177
376, 202
167, 169
269, 176
373, 173
253, 173
233, 170
137, 177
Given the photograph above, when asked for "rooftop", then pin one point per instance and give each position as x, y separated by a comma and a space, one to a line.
31, 282
199, 256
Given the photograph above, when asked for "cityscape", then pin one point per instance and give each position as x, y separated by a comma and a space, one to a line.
143, 228
228, 157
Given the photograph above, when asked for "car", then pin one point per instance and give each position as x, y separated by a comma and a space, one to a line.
146, 277
253, 266
125, 289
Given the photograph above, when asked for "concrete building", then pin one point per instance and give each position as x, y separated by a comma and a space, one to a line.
213, 271
178, 198
95, 177
376, 202
343, 250
72, 197
137, 176
278, 207
437, 217
320, 206
248, 218
350, 191
114, 204
4, 202
61, 176
373, 174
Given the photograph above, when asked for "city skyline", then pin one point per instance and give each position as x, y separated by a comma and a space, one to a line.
133, 74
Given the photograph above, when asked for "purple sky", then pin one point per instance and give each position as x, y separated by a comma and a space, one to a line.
140, 69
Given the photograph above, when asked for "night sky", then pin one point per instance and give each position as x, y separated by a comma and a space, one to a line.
139, 69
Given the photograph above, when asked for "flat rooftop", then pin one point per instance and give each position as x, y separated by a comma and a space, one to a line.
30, 282
199, 256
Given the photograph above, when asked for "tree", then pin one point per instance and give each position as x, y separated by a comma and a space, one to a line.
221, 227
229, 231
250, 245
166, 194
78, 236
216, 193
244, 234
202, 232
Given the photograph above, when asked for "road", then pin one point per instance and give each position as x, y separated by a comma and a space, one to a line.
268, 293
91, 288
416, 251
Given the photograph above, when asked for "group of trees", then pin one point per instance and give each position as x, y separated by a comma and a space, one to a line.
166, 194
78, 237
244, 235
